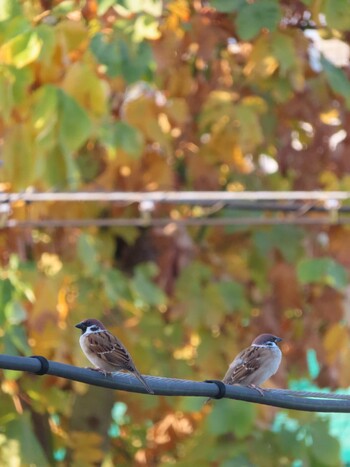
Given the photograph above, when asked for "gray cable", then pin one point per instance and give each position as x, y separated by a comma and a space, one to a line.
304, 401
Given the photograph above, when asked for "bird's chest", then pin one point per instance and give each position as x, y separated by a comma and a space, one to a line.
92, 356
269, 364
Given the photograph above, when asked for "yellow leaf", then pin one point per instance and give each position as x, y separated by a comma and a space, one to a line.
21, 50
72, 35
181, 81
329, 180
256, 103
330, 116
156, 172
179, 11
142, 112
179, 8
261, 63
82, 83
344, 371
335, 342
250, 132
87, 448
19, 156
177, 110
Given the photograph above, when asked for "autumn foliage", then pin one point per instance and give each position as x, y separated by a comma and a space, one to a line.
146, 95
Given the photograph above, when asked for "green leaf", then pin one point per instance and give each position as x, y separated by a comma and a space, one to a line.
47, 35
63, 8
88, 255
9, 9
337, 14
19, 156
208, 300
227, 6
146, 27
55, 168
15, 313
324, 271
324, 447
285, 238
283, 48
337, 80
15, 341
129, 139
238, 461
104, 5
250, 133
23, 80
233, 295
7, 409
12, 28
6, 293
6, 92
116, 286
22, 50
153, 7
128, 234
252, 17
75, 125
132, 61
143, 286
230, 416
44, 109
51, 164
21, 429
14, 85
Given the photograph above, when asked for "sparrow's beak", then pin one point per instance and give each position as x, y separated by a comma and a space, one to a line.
277, 339
79, 326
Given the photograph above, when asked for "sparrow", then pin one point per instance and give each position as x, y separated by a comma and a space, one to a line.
105, 351
255, 364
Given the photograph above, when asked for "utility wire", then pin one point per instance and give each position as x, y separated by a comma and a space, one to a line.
217, 207
303, 401
161, 222
188, 197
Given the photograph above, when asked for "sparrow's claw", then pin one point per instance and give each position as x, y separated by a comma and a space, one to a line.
260, 390
100, 370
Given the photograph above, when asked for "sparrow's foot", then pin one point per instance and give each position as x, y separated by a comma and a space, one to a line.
260, 390
100, 370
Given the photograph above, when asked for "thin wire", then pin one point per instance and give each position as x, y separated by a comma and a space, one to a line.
161, 222
303, 401
282, 207
188, 197
259, 201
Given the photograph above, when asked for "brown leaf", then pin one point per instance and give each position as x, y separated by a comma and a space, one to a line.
285, 286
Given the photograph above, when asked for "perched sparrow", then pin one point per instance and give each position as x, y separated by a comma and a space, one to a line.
105, 351
255, 364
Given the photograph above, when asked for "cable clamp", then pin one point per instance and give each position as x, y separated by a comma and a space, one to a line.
221, 387
44, 365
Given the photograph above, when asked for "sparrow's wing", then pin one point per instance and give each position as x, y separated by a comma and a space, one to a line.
245, 364
111, 350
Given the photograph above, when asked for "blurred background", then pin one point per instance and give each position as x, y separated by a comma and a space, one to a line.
150, 95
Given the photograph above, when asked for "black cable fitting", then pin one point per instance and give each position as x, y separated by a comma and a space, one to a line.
44, 365
221, 387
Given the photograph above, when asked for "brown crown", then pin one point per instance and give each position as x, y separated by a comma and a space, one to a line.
265, 338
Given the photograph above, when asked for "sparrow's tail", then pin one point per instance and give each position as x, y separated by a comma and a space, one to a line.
143, 381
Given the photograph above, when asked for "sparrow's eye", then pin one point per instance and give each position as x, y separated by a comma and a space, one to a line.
94, 328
